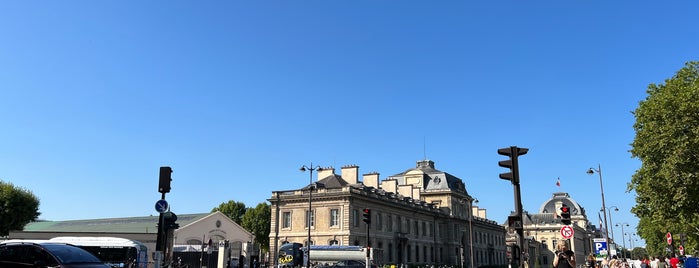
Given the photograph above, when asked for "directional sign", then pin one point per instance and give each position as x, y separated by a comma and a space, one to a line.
669, 238
161, 206
567, 231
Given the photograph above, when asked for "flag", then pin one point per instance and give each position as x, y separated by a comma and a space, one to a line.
601, 227
558, 182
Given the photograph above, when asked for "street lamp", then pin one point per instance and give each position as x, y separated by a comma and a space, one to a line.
470, 230
310, 170
604, 207
623, 242
611, 222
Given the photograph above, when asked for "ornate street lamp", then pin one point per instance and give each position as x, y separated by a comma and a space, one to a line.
604, 206
310, 170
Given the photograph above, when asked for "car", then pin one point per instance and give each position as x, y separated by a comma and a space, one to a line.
15, 254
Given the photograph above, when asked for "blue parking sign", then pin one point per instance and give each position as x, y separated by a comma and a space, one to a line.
601, 250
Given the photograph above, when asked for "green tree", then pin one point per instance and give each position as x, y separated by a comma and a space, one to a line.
258, 221
233, 210
667, 144
17, 208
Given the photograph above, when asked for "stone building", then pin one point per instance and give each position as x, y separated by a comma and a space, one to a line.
542, 231
422, 215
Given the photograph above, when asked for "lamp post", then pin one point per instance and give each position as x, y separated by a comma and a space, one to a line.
310, 170
604, 207
630, 241
470, 230
611, 222
623, 242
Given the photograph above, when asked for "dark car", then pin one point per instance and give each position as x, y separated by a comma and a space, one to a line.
46, 254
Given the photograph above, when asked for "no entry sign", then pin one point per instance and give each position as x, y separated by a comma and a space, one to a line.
567, 231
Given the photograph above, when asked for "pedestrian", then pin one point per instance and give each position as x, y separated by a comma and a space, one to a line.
591, 261
564, 258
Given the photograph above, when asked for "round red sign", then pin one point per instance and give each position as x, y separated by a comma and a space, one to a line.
567, 231
669, 238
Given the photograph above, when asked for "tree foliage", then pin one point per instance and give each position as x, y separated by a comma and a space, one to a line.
233, 210
17, 208
258, 221
667, 144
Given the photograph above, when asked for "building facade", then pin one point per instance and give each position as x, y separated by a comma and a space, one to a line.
542, 231
420, 216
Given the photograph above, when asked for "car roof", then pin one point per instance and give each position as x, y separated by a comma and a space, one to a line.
34, 242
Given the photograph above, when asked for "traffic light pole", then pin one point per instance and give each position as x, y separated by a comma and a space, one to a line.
368, 247
513, 152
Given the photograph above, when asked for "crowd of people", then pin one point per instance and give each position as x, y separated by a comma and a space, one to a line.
645, 262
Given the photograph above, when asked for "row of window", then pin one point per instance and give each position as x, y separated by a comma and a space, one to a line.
417, 228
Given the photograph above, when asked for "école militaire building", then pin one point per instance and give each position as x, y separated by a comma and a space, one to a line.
419, 216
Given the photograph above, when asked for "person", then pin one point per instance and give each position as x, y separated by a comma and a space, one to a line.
591, 261
661, 262
653, 262
674, 260
564, 258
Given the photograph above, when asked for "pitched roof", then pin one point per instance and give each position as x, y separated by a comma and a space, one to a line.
146, 224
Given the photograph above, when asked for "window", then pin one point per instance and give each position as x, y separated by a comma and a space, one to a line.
417, 231
286, 219
379, 221
424, 229
355, 218
389, 226
334, 217
399, 227
312, 220
334, 242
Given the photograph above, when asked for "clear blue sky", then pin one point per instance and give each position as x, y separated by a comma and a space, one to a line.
235, 96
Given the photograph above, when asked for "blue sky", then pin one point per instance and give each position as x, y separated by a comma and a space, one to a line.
235, 96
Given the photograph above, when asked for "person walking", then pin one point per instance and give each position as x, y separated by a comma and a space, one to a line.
564, 258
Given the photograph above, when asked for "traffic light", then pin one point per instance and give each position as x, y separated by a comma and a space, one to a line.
367, 216
514, 221
565, 214
513, 152
165, 179
170, 221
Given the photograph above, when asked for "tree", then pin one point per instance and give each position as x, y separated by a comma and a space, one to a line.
667, 144
17, 208
233, 210
258, 221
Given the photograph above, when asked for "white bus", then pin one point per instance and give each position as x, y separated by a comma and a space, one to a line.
113, 251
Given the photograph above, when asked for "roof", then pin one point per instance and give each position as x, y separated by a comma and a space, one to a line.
332, 181
433, 179
146, 224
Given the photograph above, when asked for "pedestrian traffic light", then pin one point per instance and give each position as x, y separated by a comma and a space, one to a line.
165, 179
513, 152
170, 221
367, 216
565, 214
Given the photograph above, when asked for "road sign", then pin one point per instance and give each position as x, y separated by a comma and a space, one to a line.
600, 248
161, 206
567, 231
681, 250
669, 238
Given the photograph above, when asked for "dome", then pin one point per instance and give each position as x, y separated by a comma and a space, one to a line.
554, 203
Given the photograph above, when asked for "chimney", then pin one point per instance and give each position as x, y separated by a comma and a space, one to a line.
350, 173
326, 172
371, 179
406, 190
390, 186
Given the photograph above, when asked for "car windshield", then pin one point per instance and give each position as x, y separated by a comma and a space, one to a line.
67, 254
